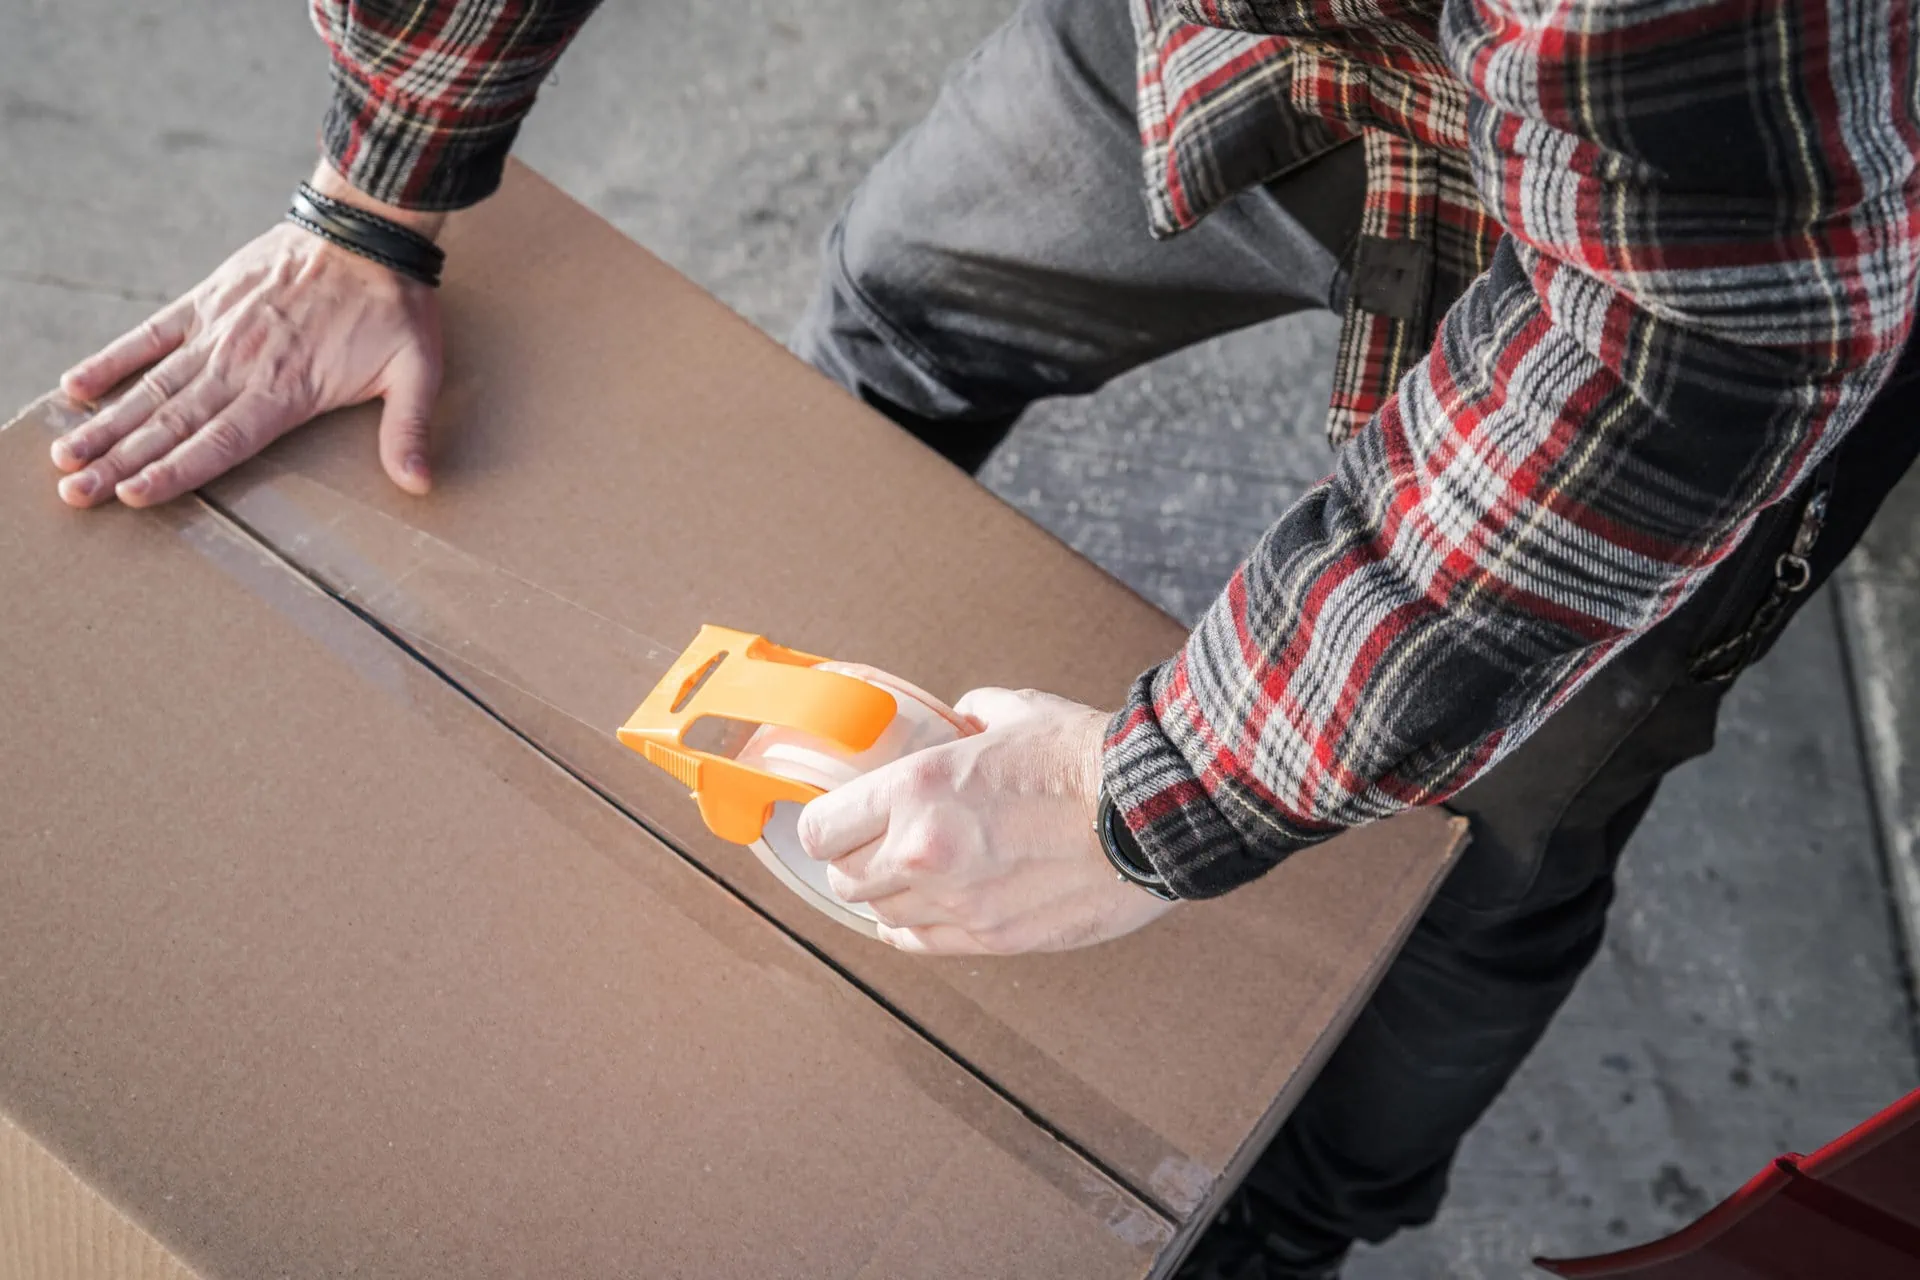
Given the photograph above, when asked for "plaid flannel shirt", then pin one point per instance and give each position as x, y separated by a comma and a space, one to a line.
1626, 272
429, 94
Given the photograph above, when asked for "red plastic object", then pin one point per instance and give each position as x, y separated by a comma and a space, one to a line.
1849, 1211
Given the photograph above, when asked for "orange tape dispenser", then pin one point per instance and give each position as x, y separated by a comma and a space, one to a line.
821, 724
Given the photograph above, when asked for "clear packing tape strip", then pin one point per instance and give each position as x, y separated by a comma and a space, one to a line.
460, 610
450, 605
353, 538
464, 613
442, 601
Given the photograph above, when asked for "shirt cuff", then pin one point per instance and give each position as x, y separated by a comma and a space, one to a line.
1180, 828
405, 153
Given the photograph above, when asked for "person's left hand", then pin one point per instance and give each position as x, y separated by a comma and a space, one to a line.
985, 845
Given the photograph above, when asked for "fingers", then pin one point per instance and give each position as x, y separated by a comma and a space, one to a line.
291, 331
912, 909
873, 872
132, 351
1040, 931
939, 941
109, 426
847, 874
406, 407
169, 426
837, 823
933, 940
228, 438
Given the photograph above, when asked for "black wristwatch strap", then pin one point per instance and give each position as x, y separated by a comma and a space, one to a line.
1123, 851
380, 239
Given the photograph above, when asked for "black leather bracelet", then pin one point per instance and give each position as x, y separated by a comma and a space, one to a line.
381, 240
1123, 851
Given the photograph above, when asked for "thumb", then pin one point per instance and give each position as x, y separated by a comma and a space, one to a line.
406, 406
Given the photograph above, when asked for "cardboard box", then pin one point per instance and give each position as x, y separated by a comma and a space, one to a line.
323, 951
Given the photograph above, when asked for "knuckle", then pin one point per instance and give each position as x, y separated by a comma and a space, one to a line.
281, 371
119, 460
107, 447
925, 775
840, 882
109, 469
927, 853
155, 384
101, 430
172, 422
226, 439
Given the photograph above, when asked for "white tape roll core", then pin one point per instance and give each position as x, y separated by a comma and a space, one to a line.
922, 721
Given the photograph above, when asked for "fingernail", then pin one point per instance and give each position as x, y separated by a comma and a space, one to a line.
80, 486
134, 488
416, 468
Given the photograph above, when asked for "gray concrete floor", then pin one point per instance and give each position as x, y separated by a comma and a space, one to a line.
1879, 605
1752, 997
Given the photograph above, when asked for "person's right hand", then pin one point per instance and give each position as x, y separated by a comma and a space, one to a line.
286, 329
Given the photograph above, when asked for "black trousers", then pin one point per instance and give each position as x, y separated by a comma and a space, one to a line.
998, 254
1486, 968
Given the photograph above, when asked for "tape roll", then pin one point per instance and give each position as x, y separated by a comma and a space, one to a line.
922, 721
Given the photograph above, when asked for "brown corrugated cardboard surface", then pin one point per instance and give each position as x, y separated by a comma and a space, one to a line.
610, 433
55, 1227
314, 969
313, 964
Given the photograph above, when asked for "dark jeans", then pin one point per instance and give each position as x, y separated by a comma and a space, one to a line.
999, 254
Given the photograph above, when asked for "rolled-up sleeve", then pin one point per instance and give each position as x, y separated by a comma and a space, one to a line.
428, 96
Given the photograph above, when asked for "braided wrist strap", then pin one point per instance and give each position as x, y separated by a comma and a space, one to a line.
380, 239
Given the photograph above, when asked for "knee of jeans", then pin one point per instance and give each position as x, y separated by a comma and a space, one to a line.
850, 333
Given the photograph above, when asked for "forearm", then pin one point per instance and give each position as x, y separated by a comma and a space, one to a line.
428, 97
1417, 615
1680, 322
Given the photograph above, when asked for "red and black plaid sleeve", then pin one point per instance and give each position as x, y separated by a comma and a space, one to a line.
428, 94
1709, 267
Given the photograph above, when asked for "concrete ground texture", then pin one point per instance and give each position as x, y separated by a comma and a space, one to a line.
1753, 996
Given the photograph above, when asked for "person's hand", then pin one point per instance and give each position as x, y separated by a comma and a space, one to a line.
985, 845
286, 329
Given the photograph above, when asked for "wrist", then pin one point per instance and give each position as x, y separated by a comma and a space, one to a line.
1123, 852
360, 229
328, 182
